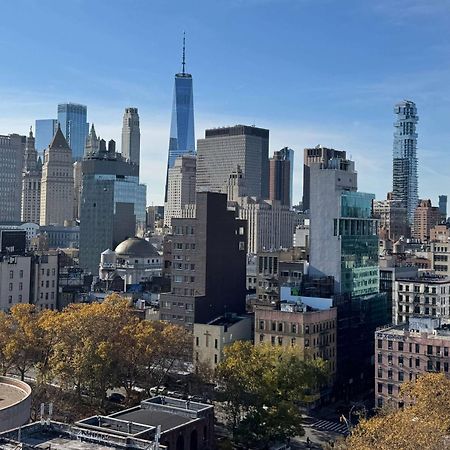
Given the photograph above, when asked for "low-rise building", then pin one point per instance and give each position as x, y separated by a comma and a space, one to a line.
211, 338
405, 351
310, 329
427, 295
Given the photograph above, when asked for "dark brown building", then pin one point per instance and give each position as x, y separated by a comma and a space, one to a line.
208, 264
280, 176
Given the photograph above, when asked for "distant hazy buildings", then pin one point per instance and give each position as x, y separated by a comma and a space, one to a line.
182, 134
57, 186
180, 187
131, 136
72, 119
321, 155
11, 162
31, 183
405, 179
281, 172
393, 222
45, 129
112, 201
226, 150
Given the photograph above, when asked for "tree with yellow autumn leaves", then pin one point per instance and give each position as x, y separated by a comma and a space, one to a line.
422, 424
90, 348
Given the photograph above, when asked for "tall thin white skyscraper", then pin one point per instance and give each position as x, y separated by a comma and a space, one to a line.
131, 136
405, 179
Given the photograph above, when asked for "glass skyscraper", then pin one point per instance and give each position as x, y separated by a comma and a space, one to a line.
182, 134
73, 121
404, 173
44, 132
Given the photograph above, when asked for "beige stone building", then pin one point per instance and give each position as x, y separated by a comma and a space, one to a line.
211, 338
57, 185
15, 272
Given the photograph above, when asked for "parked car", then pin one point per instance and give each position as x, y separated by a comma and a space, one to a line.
115, 397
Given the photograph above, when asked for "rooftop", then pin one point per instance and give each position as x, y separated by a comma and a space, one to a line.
227, 320
12, 391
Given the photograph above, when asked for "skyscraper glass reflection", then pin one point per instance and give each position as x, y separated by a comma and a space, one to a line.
73, 122
182, 135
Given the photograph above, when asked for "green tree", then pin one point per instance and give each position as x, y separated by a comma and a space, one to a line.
263, 386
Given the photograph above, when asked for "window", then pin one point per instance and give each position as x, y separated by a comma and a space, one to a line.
274, 326
380, 402
417, 348
21, 274
380, 358
429, 349
389, 345
417, 362
20, 297
215, 359
11, 274
197, 343
400, 360
280, 340
294, 328
400, 376
390, 389
429, 365
10, 299
261, 324
380, 373
280, 326
261, 337
272, 340
216, 343
390, 358
390, 374
10, 286
380, 343
400, 346
380, 388
241, 245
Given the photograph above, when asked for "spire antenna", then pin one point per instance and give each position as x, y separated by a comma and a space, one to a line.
183, 62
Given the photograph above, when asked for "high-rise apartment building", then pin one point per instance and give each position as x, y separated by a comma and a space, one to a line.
404, 173
12, 149
226, 150
45, 129
72, 119
281, 170
315, 155
31, 183
208, 264
180, 187
112, 201
131, 136
57, 183
426, 217
182, 132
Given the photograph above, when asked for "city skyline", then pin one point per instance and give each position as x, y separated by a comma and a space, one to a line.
332, 90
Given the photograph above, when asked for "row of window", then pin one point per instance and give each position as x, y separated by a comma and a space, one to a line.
179, 246
295, 327
181, 279
426, 289
413, 348
169, 305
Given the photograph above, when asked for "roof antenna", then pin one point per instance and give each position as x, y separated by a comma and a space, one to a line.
183, 62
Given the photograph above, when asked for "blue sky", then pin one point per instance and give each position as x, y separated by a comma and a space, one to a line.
312, 71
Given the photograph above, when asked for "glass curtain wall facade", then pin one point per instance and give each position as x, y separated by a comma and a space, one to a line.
404, 173
73, 121
359, 244
182, 134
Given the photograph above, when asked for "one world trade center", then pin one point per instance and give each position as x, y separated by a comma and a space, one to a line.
182, 135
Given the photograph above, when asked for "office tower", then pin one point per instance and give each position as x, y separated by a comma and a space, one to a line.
344, 242
112, 201
72, 119
131, 136
320, 155
57, 183
393, 222
404, 173
443, 207
344, 245
426, 217
270, 225
180, 187
77, 186
208, 264
31, 183
182, 133
227, 150
45, 129
12, 149
281, 171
